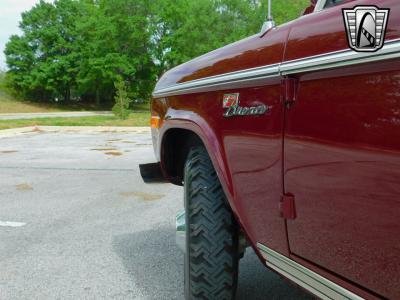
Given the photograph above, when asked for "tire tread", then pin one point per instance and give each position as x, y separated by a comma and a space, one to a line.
213, 232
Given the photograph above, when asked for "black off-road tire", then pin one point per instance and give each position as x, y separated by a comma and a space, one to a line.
212, 250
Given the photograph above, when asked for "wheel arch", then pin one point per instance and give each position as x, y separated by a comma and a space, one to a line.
175, 147
178, 136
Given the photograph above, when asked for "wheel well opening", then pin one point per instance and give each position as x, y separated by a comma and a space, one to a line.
175, 149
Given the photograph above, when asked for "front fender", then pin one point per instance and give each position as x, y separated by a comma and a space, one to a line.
176, 119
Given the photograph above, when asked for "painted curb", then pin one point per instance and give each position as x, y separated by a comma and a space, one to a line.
85, 129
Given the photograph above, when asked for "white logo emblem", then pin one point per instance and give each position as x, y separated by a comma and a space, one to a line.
366, 27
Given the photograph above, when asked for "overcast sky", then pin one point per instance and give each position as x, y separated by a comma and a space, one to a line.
10, 15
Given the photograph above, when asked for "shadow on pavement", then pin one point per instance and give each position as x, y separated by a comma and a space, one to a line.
156, 266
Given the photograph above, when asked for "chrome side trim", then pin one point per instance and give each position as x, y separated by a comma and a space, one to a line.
331, 60
220, 80
340, 59
311, 281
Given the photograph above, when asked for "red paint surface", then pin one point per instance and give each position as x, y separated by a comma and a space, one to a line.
242, 152
342, 160
341, 150
249, 53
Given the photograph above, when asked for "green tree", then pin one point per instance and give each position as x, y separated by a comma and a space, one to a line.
115, 43
122, 100
184, 29
20, 57
79, 48
43, 61
284, 11
2, 80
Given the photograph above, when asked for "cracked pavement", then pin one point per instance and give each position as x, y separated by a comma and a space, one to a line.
85, 226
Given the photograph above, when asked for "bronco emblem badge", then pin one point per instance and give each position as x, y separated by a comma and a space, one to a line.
366, 27
231, 104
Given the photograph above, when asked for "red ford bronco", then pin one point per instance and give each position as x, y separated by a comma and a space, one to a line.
289, 142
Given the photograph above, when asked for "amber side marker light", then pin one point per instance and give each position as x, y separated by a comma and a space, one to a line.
155, 122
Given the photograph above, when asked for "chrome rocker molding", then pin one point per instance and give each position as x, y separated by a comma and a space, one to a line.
311, 281
331, 60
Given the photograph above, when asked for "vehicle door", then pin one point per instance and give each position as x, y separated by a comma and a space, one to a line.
342, 150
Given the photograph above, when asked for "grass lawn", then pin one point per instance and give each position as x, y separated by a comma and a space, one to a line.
135, 119
9, 105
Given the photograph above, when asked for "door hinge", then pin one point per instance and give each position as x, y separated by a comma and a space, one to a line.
287, 207
290, 86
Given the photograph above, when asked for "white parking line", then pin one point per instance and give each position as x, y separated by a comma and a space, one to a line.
11, 224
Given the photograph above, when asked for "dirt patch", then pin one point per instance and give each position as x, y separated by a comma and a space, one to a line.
111, 141
143, 196
114, 153
8, 151
103, 149
110, 131
37, 129
128, 142
23, 187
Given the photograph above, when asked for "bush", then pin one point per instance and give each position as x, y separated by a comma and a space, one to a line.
2, 80
122, 101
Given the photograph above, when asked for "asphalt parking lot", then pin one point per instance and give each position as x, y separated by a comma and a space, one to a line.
76, 222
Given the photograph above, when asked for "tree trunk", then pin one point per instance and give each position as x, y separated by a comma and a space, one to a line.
67, 95
97, 94
97, 97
